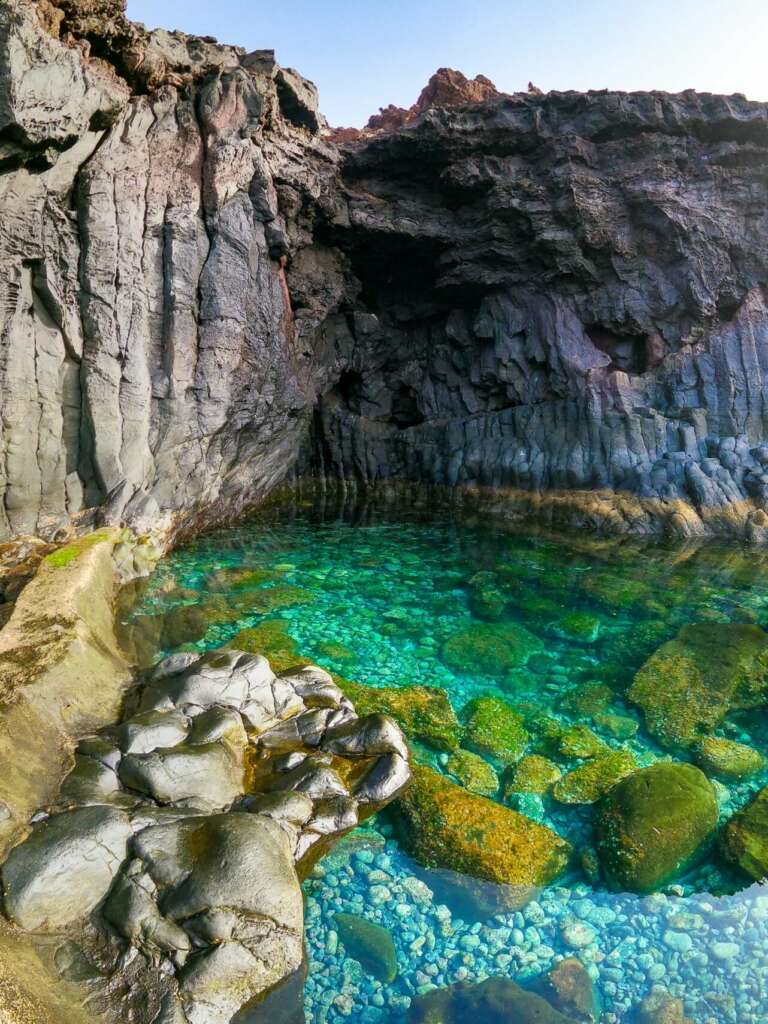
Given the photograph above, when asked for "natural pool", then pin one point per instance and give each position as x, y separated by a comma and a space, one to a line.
543, 635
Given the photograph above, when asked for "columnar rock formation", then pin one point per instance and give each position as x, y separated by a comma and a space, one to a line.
537, 292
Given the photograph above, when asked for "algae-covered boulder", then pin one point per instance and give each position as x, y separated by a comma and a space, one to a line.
490, 648
578, 627
486, 599
578, 741
533, 774
744, 841
493, 1001
370, 944
688, 686
448, 827
494, 729
619, 592
280, 595
591, 781
590, 699
727, 758
423, 712
650, 825
270, 637
473, 772
240, 578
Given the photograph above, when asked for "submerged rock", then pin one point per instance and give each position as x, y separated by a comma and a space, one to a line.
493, 1001
423, 712
744, 841
689, 685
589, 782
532, 774
568, 987
473, 772
370, 944
651, 825
64, 868
494, 729
661, 1008
490, 648
578, 627
727, 758
448, 827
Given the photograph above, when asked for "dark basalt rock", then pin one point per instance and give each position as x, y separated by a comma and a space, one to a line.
553, 294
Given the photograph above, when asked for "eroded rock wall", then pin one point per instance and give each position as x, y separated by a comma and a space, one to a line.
546, 294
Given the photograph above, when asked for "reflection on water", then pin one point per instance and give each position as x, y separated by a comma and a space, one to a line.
555, 630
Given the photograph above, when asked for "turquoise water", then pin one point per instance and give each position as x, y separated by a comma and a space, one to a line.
377, 600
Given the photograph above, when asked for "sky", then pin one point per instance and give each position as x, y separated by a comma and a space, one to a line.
363, 55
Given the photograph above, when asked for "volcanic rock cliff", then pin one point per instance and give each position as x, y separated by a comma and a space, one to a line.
205, 290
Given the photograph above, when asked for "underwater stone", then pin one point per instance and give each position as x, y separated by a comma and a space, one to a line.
448, 827
727, 758
578, 741
490, 648
650, 825
620, 727
579, 627
494, 729
589, 782
569, 988
661, 1008
688, 686
370, 944
423, 712
493, 1001
533, 774
473, 772
64, 868
744, 841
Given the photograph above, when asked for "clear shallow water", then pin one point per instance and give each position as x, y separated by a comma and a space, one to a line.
376, 601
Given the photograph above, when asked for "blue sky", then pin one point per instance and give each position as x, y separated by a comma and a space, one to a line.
365, 54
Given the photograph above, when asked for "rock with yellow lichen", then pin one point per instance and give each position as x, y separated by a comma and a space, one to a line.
448, 827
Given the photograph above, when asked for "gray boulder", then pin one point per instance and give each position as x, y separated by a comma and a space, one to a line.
64, 868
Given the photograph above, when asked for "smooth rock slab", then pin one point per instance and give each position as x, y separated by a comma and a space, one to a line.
210, 773
59, 874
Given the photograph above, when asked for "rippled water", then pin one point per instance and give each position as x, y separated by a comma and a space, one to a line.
378, 601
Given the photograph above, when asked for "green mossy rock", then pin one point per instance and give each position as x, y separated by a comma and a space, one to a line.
473, 772
448, 827
240, 579
486, 599
591, 781
270, 638
490, 648
744, 841
336, 652
568, 987
588, 700
370, 944
620, 727
533, 774
688, 686
423, 712
281, 595
727, 758
652, 824
620, 592
578, 627
494, 729
186, 623
578, 741
493, 1001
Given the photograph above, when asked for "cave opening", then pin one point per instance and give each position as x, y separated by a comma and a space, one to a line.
627, 352
405, 408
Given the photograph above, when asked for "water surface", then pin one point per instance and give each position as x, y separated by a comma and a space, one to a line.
377, 599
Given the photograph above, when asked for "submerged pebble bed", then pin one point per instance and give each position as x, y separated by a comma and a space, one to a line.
377, 602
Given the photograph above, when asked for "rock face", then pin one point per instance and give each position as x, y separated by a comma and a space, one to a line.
552, 294
179, 837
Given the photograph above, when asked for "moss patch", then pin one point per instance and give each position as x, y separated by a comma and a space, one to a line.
729, 759
490, 648
688, 686
744, 842
533, 774
448, 827
494, 729
473, 772
423, 712
651, 825
589, 782
63, 556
